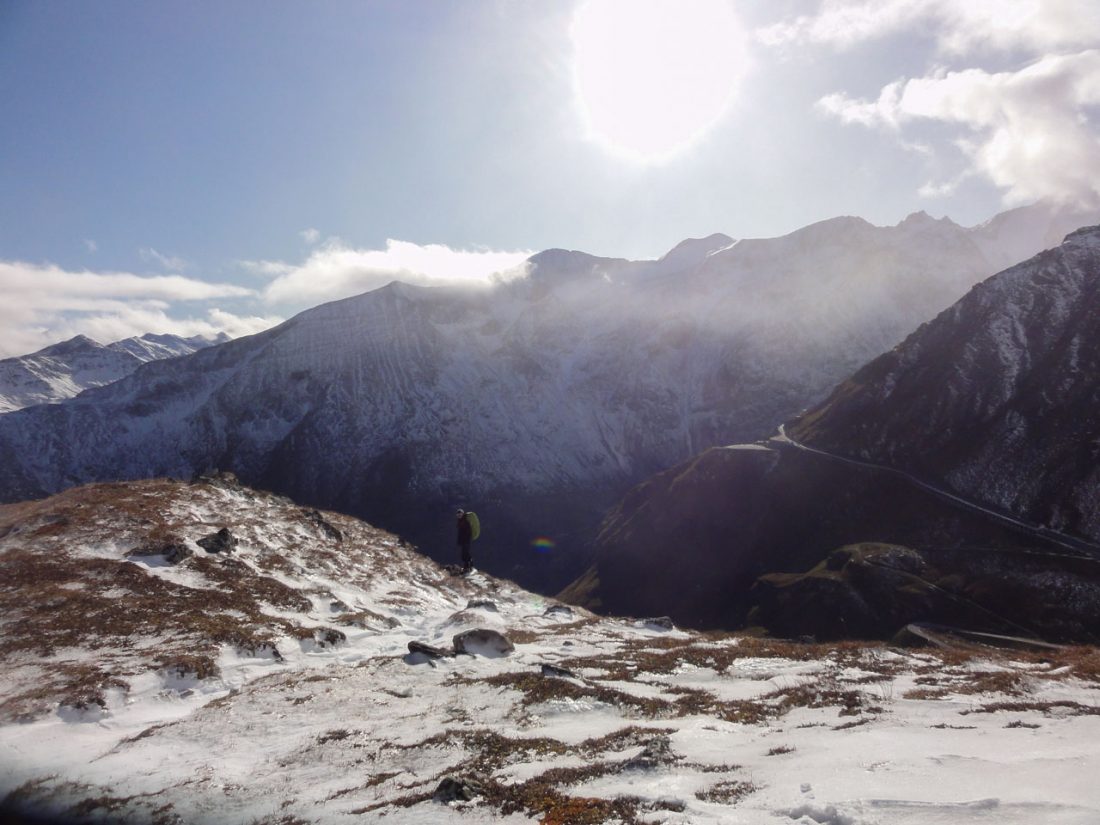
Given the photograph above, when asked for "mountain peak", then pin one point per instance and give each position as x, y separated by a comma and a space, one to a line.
1087, 234
78, 343
922, 219
695, 250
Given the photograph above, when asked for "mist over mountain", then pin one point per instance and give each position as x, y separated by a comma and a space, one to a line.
935, 484
997, 397
66, 369
538, 402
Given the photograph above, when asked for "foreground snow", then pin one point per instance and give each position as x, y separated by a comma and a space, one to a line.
639, 723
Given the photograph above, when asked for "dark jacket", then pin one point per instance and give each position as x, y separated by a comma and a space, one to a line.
465, 532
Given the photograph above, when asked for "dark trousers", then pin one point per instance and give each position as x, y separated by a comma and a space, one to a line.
464, 546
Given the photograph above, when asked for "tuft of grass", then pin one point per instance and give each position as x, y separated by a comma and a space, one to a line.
726, 793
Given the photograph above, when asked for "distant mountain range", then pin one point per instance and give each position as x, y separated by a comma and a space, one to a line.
67, 369
538, 402
953, 479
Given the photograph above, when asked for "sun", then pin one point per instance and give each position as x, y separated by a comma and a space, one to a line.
653, 76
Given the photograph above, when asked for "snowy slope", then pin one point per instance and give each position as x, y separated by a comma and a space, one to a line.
64, 370
537, 402
586, 720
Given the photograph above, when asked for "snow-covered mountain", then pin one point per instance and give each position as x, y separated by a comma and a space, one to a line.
303, 667
535, 403
936, 483
63, 370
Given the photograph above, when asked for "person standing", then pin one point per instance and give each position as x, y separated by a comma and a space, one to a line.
465, 536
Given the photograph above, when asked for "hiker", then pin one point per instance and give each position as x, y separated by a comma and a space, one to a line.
465, 536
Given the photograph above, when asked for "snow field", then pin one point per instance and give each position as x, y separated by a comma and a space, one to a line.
654, 726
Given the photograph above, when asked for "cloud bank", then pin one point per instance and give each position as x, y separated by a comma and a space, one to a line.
958, 26
336, 270
1025, 131
44, 304
1030, 131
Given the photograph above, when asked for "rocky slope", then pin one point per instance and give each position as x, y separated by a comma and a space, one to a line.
64, 370
304, 668
996, 397
535, 403
992, 400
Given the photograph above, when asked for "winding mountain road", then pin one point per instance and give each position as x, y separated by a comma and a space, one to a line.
1091, 551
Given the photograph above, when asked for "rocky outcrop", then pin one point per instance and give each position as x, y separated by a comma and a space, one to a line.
222, 541
483, 641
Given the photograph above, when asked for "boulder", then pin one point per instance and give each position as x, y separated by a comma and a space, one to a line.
481, 641
220, 542
483, 604
459, 788
660, 623
658, 751
430, 651
174, 552
558, 672
219, 478
324, 525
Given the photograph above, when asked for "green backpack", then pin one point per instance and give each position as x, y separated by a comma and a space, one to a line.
475, 525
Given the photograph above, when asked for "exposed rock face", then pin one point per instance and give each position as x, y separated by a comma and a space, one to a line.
870, 591
538, 402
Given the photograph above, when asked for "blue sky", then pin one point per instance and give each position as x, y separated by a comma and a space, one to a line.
178, 166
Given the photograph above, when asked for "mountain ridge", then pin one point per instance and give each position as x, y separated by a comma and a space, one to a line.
65, 369
536, 402
990, 401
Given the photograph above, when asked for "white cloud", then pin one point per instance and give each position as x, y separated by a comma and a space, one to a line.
958, 26
44, 304
1027, 131
266, 269
169, 262
337, 271
310, 236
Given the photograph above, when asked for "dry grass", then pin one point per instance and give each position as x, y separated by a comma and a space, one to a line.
56, 603
726, 793
546, 796
1063, 706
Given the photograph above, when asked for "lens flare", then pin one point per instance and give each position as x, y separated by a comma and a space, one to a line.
542, 544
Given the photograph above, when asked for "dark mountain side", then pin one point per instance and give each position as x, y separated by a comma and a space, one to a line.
692, 541
994, 400
997, 396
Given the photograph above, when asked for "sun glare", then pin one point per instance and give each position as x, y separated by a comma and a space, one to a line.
652, 76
